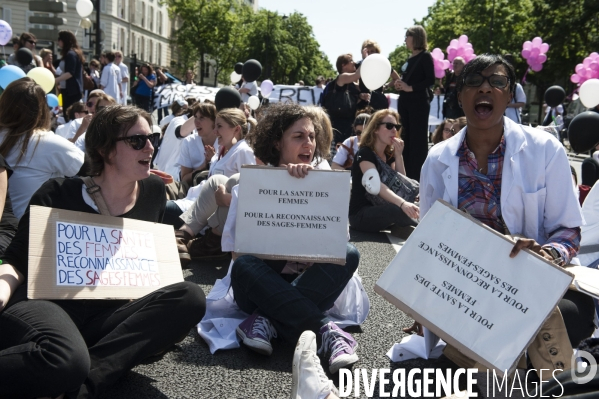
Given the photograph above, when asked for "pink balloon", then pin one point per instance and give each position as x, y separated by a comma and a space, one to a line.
527, 45
579, 68
451, 53
454, 43
587, 61
575, 78
536, 42
468, 45
463, 39
594, 55
525, 53
536, 67
446, 64
542, 58
544, 48
468, 52
535, 52
439, 73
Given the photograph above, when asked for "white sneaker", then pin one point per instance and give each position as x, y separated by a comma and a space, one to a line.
309, 379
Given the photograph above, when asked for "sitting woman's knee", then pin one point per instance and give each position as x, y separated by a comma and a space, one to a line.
352, 258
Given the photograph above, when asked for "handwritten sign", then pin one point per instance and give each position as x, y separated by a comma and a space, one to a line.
100, 256
282, 217
167, 94
77, 255
455, 276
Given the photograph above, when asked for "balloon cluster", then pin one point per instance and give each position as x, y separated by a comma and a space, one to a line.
441, 64
534, 53
5, 32
589, 69
460, 48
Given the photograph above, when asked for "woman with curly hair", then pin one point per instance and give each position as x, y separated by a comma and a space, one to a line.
283, 297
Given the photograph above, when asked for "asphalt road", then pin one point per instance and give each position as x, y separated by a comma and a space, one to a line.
190, 371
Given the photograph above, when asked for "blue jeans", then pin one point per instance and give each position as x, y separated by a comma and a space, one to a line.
292, 306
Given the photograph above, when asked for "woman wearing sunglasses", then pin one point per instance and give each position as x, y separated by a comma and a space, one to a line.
29, 41
80, 348
33, 151
95, 103
374, 208
516, 180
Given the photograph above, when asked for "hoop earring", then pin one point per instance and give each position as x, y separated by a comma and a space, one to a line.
460, 104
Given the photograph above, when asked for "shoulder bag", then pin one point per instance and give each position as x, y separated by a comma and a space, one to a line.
401, 185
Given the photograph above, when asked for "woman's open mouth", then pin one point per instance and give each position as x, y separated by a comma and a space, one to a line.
305, 158
145, 162
483, 108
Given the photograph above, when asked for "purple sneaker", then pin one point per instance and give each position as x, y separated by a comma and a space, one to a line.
339, 346
256, 332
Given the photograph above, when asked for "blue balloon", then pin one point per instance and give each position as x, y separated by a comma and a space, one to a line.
9, 74
52, 100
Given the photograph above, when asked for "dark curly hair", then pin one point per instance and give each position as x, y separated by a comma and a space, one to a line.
280, 117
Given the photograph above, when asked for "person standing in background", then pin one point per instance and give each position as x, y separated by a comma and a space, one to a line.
28, 41
451, 106
111, 79
118, 60
72, 74
414, 101
514, 108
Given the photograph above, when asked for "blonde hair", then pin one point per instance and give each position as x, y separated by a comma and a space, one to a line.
321, 116
235, 117
371, 45
368, 138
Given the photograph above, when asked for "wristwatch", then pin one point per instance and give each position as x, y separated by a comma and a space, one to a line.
557, 257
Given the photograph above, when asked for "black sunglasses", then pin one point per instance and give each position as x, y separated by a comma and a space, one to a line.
390, 125
138, 141
476, 80
32, 42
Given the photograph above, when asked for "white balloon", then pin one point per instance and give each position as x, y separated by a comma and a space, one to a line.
84, 8
85, 23
589, 93
235, 77
375, 71
254, 102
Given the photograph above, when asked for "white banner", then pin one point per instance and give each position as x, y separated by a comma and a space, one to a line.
283, 217
455, 276
167, 94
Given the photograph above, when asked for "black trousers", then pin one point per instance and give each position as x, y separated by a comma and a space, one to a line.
373, 219
414, 112
82, 347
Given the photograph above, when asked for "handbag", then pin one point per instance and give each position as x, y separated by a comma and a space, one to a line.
401, 185
340, 103
88, 82
350, 154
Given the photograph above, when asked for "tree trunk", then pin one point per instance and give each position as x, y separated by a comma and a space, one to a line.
202, 69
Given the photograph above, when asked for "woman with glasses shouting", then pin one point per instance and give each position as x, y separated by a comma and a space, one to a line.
378, 180
516, 180
76, 348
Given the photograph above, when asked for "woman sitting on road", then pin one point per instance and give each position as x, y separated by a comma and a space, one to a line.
80, 348
374, 207
344, 158
280, 301
497, 171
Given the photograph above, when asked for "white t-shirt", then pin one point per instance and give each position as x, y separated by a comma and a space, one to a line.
80, 142
166, 120
253, 91
69, 129
47, 156
230, 163
192, 153
124, 75
111, 79
167, 159
519, 97
342, 153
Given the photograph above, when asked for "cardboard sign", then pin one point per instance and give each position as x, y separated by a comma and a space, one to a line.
455, 276
78, 255
283, 217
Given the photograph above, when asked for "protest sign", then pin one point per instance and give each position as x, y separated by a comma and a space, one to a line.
283, 217
78, 255
306, 95
167, 94
455, 276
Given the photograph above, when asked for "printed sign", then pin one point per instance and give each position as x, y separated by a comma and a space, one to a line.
78, 255
455, 276
304, 95
283, 217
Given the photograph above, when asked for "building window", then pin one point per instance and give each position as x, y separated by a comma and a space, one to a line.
159, 22
206, 69
159, 60
143, 15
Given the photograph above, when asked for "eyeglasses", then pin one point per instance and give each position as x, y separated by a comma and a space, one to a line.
138, 141
390, 125
476, 80
32, 42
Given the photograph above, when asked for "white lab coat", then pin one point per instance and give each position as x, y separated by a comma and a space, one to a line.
536, 186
